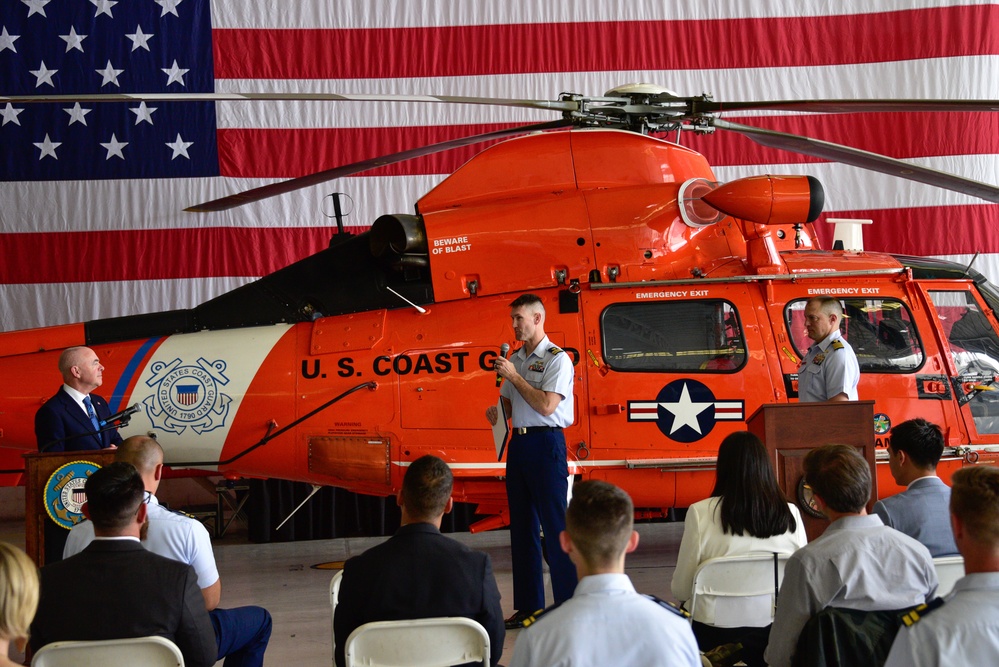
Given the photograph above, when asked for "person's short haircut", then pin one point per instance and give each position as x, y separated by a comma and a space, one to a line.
114, 494
141, 451
426, 487
828, 304
70, 357
921, 440
974, 499
599, 521
18, 592
840, 476
531, 301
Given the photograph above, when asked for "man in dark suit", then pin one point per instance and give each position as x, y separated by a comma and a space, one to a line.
71, 420
418, 572
921, 511
115, 589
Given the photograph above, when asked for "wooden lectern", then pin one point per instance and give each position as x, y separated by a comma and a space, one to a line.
39, 468
790, 430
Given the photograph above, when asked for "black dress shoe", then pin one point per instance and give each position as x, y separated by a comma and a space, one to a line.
517, 620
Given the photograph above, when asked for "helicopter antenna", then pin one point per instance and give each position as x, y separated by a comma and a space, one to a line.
338, 213
972, 262
418, 308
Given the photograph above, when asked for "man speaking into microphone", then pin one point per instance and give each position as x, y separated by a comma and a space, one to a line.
538, 396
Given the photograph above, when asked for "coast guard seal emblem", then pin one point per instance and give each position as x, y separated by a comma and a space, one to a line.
187, 396
64, 494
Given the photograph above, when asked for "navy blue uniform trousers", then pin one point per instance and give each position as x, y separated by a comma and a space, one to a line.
242, 634
537, 488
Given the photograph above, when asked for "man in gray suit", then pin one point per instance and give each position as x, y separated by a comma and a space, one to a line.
921, 511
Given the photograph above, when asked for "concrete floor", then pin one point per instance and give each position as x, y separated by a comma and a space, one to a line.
282, 578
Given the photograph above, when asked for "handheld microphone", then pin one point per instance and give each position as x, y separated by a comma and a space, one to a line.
122, 416
504, 350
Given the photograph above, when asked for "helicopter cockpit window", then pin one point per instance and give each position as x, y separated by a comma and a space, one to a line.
974, 347
670, 336
881, 332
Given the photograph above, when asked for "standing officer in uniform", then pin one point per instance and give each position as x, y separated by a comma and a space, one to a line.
538, 396
830, 371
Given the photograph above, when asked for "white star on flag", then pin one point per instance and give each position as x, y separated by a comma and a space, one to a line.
109, 74
104, 7
43, 74
143, 113
685, 411
180, 147
77, 114
175, 74
7, 40
10, 114
139, 38
36, 7
169, 7
73, 41
114, 147
48, 147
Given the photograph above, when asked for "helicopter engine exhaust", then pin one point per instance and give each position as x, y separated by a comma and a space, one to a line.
769, 199
399, 233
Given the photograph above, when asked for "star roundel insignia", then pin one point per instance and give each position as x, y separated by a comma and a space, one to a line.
686, 410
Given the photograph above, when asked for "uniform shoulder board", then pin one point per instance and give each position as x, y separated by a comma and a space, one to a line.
912, 616
533, 618
838, 344
682, 613
554, 349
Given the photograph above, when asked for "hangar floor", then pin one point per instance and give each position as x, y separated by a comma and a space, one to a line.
281, 577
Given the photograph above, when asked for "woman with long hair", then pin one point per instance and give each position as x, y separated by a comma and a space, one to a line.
746, 514
18, 599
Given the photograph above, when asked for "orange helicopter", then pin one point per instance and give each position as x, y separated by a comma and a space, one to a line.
680, 299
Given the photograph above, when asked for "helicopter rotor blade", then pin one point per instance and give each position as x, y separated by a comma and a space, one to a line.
283, 187
863, 159
708, 106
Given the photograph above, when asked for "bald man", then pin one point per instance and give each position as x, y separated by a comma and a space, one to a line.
72, 419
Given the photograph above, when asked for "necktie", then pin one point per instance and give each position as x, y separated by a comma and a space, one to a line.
91, 413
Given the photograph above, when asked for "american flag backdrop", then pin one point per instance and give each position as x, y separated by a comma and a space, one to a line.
92, 195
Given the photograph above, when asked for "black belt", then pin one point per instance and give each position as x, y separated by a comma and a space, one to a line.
523, 430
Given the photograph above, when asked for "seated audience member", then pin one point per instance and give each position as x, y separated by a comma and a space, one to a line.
241, 633
746, 514
18, 599
418, 572
857, 563
117, 589
964, 629
921, 510
605, 622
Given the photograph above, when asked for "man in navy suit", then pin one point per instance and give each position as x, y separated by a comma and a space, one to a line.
921, 511
71, 420
418, 572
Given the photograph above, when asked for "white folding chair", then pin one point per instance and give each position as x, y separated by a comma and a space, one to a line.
334, 598
137, 652
737, 591
949, 570
424, 642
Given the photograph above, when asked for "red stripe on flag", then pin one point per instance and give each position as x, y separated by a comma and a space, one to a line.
287, 153
942, 230
609, 46
154, 254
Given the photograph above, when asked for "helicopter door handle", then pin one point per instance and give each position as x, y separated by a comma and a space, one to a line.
609, 409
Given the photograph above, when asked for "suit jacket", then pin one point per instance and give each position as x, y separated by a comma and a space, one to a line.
418, 573
115, 589
922, 512
61, 417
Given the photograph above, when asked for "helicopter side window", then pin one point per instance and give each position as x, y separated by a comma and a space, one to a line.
881, 332
974, 347
672, 336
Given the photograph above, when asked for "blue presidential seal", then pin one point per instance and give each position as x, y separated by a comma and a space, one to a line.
64, 494
187, 396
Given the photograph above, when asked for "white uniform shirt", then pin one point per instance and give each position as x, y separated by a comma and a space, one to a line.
704, 539
606, 622
549, 368
964, 631
828, 370
171, 535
